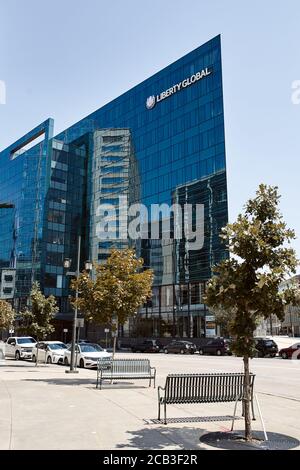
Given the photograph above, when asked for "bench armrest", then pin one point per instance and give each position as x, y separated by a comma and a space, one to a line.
159, 388
154, 369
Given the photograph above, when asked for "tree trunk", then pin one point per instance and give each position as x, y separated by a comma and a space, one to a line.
246, 400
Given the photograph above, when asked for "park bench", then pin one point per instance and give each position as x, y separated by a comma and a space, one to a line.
118, 369
203, 388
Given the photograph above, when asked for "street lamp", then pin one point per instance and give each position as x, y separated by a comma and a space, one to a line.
174, 321
88, 266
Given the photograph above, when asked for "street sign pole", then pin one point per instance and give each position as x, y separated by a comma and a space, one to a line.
106, 331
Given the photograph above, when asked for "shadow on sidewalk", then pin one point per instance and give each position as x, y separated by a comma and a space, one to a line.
63, 381
192, 419
187, 438
85, 381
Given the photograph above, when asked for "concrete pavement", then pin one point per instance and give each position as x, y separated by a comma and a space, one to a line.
44, 408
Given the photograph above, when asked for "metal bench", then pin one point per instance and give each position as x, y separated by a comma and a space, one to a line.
203, 388
117, 369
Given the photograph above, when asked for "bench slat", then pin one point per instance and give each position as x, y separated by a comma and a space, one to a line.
204, 388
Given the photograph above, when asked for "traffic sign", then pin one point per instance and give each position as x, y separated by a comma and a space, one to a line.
80, 323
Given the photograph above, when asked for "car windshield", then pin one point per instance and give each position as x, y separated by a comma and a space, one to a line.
269, 343
26, 340
90, 348
57, 346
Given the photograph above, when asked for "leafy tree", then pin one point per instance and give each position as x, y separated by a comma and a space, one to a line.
37, 321
120, 287
246, 286
224, 320
7, 314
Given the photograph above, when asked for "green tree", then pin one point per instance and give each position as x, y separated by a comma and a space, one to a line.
37, 321
119, 288
7, 314
246, 286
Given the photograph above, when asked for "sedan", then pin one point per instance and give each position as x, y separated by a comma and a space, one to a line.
51, 352
87, 355
180, 347
290, 352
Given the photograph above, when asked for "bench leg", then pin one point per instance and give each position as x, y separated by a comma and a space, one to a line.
158, 417
234, 413
150, 382
252, 407
165, 413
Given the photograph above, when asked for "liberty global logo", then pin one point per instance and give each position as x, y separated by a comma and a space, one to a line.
150, 103
153, 100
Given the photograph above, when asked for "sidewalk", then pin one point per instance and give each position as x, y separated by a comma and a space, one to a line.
44, 408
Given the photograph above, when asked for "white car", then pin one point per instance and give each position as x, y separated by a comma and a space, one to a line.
19, 347
87, 354
51, 352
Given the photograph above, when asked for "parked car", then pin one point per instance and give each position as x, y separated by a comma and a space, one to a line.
180, 347
87, 354
265, 347
19, 347
216, 346
290, 352
49, 352
148, 345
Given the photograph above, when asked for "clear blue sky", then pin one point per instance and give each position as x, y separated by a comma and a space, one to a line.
66, 58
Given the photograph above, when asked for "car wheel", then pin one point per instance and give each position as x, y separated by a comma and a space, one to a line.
201, 352
166, 351
17, 356
33, 358
181, 351
66, 362
81, 363
49, 360
284, 355
219, 352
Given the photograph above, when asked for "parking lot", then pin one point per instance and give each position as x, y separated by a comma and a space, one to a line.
44, 408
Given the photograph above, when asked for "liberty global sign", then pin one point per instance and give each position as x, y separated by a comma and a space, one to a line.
153, 100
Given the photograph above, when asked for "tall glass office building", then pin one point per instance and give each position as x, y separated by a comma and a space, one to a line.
159, 143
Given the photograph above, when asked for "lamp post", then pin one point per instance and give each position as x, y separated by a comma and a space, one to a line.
174, 320
67, 265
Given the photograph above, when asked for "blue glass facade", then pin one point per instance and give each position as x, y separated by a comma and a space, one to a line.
161, 141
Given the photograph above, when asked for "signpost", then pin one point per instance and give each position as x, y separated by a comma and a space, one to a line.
79, 324
106, 331
65, 330
210, 326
